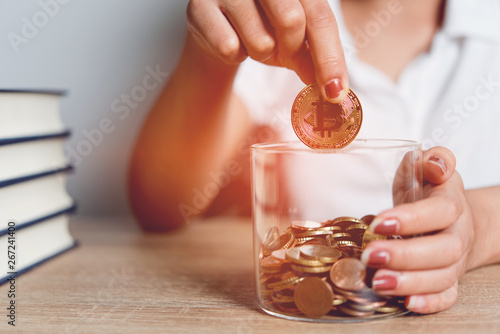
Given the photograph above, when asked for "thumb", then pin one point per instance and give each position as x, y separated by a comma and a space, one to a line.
438, 164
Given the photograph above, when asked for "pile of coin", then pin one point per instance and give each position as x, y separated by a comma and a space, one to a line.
314, 270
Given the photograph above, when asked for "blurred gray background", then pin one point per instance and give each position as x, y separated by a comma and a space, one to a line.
100, 52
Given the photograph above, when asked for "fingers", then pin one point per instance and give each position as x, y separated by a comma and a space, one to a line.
440, 212
432, 303
326, 50
247, 20
288, 22
321, 58
289, 25
438, 164
230, 32
443, 202
426, 268
298, 34
404, 283
211, 29
428, 291
430, 214
429, 252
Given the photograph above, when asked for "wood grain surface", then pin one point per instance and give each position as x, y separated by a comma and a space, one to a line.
197, 280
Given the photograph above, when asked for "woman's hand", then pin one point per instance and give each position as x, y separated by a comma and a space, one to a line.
426, 268
301, 35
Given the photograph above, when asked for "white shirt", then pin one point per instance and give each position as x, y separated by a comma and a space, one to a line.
448, 96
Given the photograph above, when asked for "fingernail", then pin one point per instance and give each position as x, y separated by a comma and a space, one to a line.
385, 283
384, 226
334, 88
375, 257
438, 161
415, 303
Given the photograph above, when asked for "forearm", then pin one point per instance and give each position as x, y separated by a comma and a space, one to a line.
192, 130
485, 204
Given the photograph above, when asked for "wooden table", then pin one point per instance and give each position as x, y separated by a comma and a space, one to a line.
197, 280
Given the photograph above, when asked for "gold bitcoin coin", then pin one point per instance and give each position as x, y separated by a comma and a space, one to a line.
323, 125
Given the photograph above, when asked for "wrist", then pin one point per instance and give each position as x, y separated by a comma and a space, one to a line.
474, 259
485, 248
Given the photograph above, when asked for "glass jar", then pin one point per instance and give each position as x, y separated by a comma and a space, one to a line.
311, 215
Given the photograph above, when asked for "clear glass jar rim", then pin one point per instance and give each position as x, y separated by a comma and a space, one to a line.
356, 145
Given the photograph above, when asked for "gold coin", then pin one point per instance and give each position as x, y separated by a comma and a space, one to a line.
341, 235
270, 262
264, 278
305, 225
341, 220
270, 270
303, 240
278, 298
314, 233
355, 313
286, 279
357, 226
293, 255
330, 242
346, 243
313, 297
284, 241
338, 300
328, 228
369, 236
286, 286
320, 253
323, 125
310, 270
272, 234
365, 307
368, 219
388, 309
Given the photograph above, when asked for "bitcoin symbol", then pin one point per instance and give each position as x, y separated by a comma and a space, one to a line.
328, 117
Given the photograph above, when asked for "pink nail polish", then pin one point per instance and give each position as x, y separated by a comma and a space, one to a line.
378, 258
375, 257
334, 88
385, 227
385, 283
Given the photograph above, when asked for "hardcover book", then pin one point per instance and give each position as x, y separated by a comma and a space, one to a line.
25, 246
31, 155
29, 113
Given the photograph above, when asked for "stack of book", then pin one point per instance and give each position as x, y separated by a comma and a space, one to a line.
34, 203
